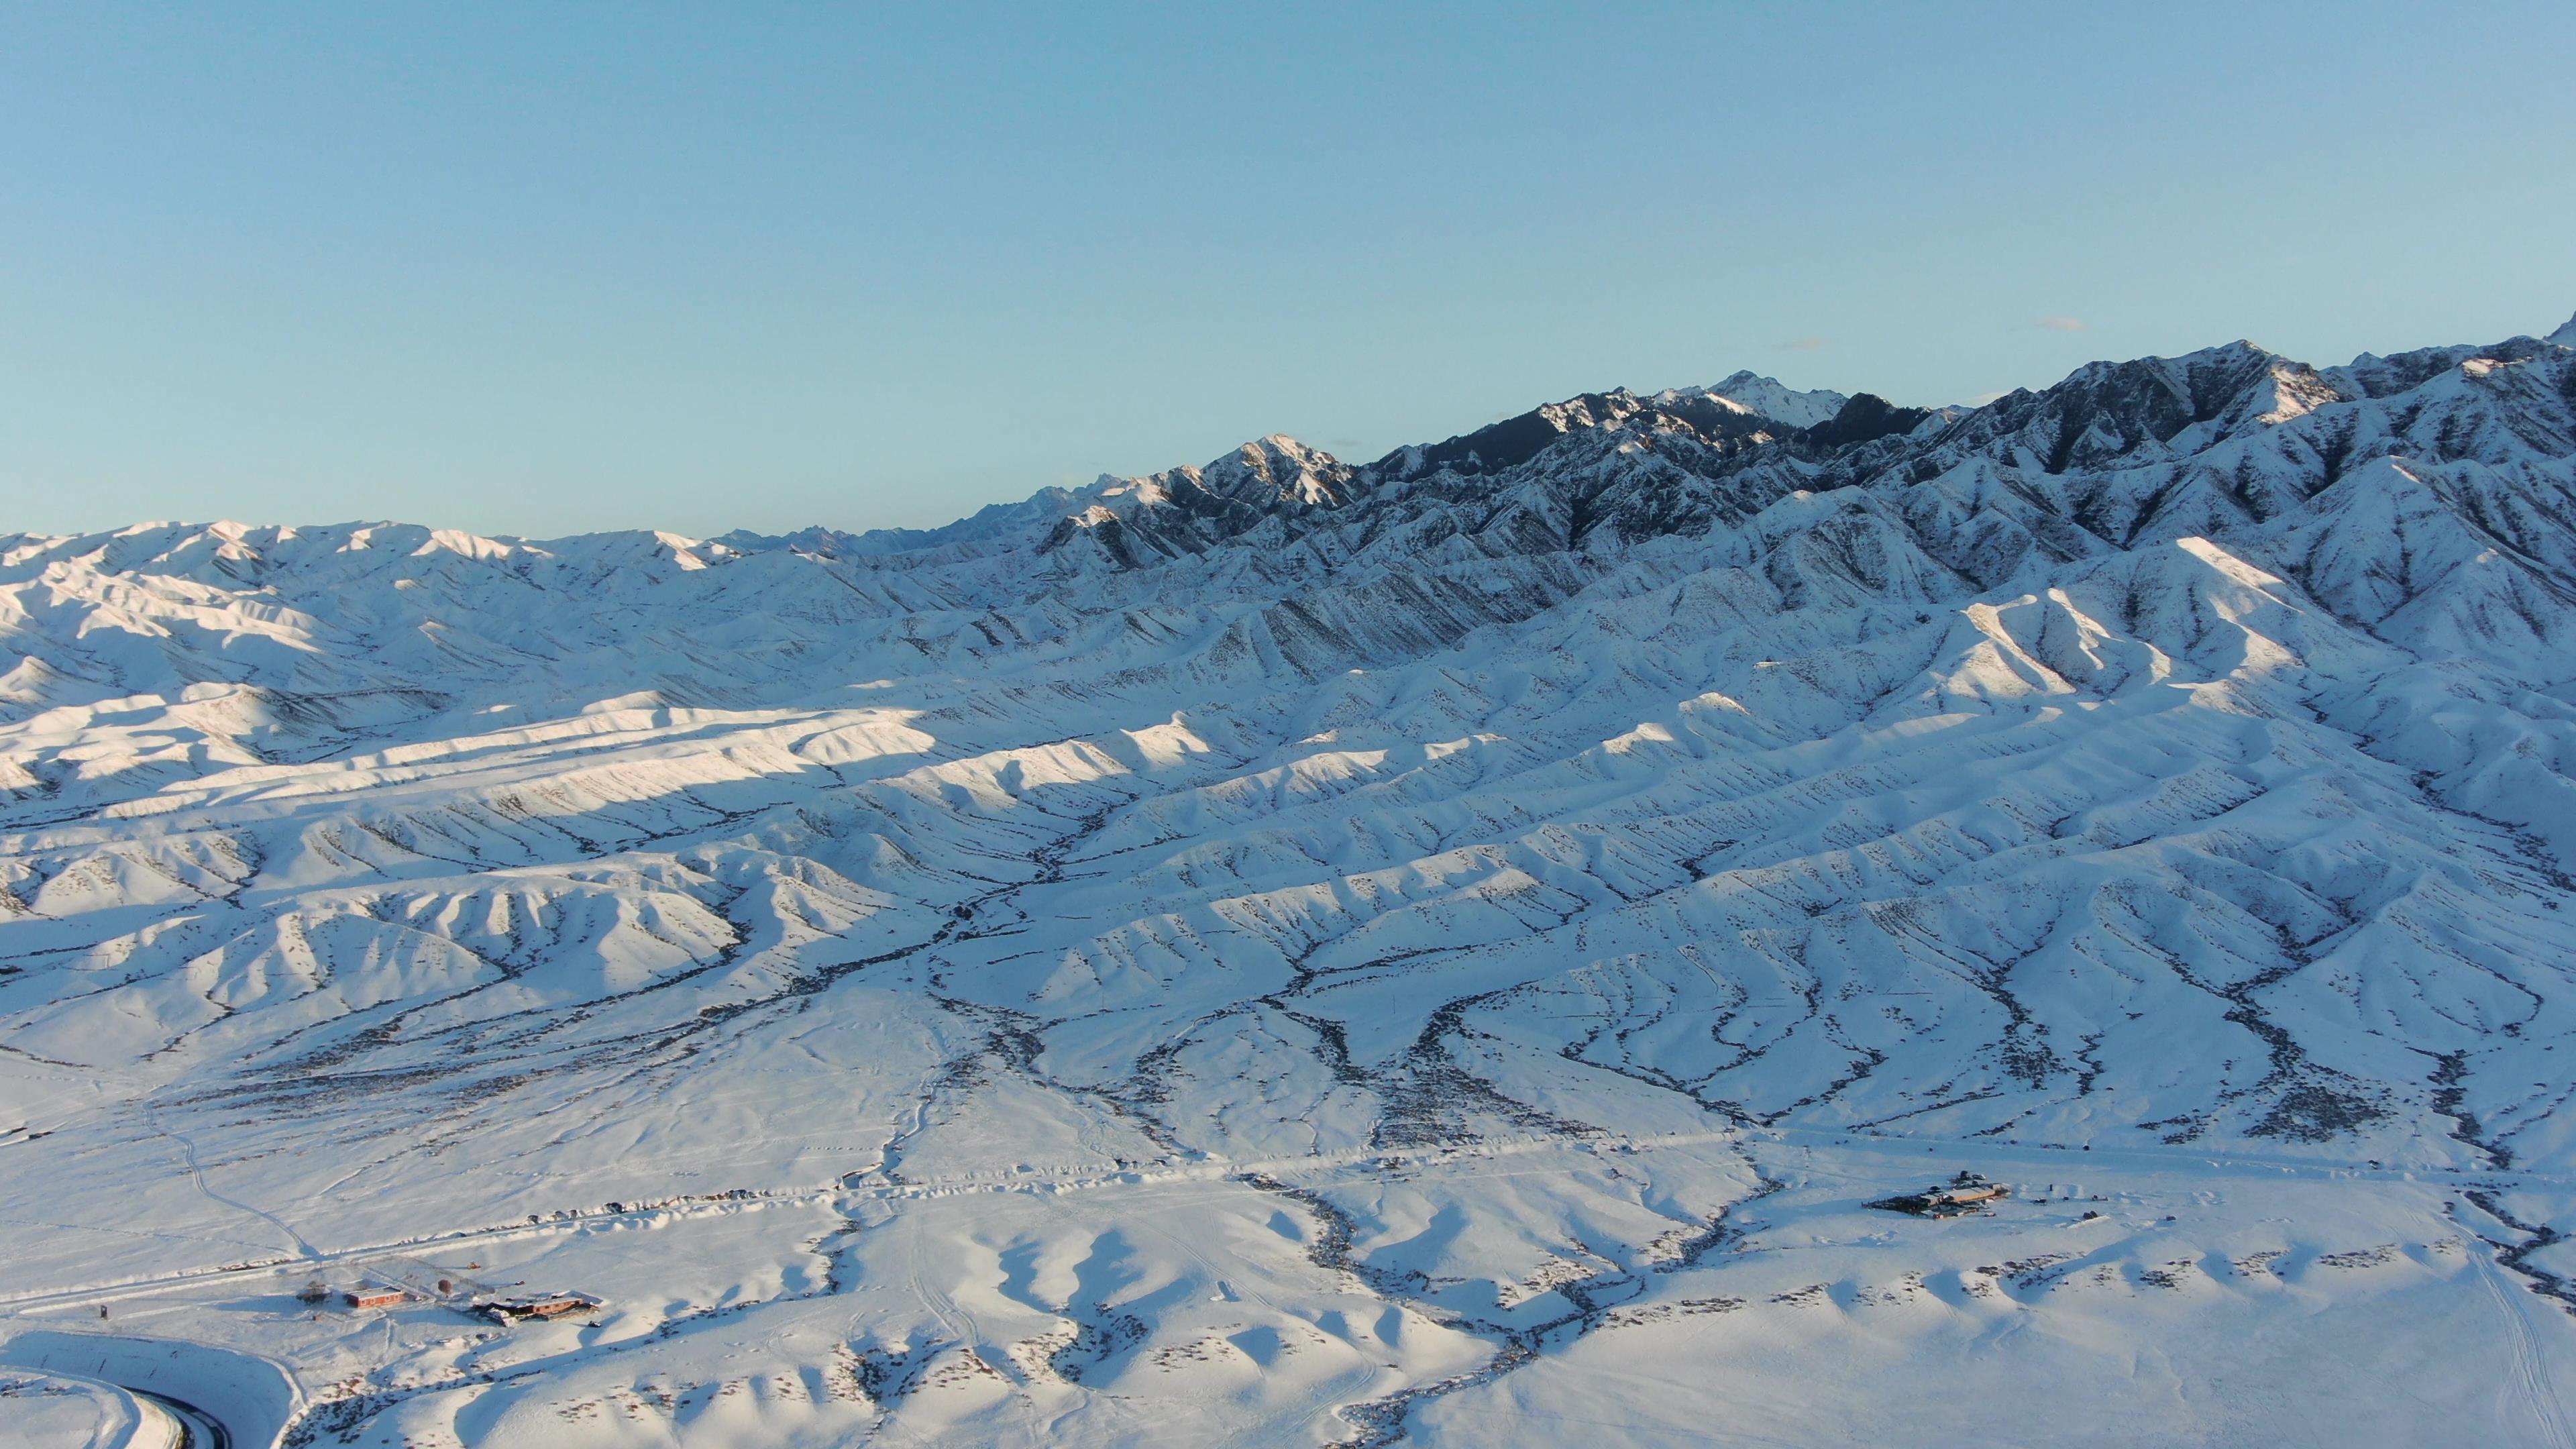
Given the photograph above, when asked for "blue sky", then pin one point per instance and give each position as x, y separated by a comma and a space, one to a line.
539, 269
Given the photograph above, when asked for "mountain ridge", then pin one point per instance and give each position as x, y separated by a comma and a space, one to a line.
1792, 411
1333, 951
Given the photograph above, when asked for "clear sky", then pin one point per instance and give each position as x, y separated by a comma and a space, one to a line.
544, 268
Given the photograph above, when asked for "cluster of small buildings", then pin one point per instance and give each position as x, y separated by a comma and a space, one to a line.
503, 1310
1966, 1193
364, 1295
507, 1311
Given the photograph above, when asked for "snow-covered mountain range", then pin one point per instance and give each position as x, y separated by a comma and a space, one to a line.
1294, 951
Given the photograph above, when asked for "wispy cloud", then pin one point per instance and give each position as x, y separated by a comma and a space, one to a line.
2062, 324
1803, 344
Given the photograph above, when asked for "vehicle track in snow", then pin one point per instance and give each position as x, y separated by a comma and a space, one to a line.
2531, 1376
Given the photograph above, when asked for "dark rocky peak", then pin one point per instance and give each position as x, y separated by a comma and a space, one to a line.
816, 540
1513, 441
1865, 417
1714, 416
2473, 402
1188, 510
2106, 411
1706, 415
1622, 467
2370, 375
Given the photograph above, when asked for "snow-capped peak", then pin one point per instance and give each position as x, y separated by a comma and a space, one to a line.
1276, 469
2565, 336
1749, 392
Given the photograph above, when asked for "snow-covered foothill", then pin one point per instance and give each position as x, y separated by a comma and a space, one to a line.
1299, 951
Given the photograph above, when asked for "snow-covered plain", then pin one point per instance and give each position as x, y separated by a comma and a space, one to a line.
1289, 952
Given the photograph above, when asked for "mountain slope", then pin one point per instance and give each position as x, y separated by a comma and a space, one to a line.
1300, 950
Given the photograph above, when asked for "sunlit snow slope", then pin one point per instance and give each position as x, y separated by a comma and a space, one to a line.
1289, 952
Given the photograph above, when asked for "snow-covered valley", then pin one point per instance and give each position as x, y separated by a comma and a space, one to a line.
1293, 952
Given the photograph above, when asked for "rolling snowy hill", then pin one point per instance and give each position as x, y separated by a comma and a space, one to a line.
1291, 951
